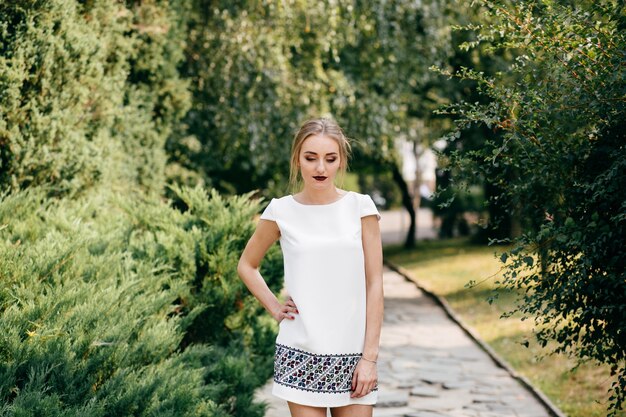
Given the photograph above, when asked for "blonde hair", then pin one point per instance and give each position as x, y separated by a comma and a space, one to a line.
325, 127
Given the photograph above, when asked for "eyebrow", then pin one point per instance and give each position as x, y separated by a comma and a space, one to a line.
314, 153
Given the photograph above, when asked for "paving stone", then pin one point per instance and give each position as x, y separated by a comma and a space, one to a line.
404, 364
484, 390
404, 375
438, 367
463, 413
454, 385
514, 400
392, 412
540, 413
425, 414
437, 377
478, 407
506, 413
494, 382
443, 403
469, 357
480, 398
392, 399
424, 391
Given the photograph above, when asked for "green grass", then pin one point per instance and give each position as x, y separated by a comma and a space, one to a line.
445, 267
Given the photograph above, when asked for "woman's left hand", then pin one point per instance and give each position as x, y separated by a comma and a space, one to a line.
364, 379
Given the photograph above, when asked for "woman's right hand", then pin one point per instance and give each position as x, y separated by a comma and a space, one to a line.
285, 311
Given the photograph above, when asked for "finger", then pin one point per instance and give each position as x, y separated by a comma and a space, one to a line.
361, 389
371, 388
358, 385
286, 314
290, 309
374, 384
354, 383
368, 385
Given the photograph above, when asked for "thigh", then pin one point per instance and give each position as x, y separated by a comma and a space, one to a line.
355, 410
299, 410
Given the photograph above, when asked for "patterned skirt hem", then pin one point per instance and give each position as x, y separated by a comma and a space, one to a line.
318, 373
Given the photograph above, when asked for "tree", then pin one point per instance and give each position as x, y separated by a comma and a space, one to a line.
560, 114
386, 92
255, 74
258, 70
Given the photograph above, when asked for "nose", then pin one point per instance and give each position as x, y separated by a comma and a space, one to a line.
320, 166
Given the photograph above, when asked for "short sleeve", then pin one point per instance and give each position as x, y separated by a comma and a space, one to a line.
368, 207
268, 213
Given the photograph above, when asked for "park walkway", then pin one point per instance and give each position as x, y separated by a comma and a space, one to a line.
429, 367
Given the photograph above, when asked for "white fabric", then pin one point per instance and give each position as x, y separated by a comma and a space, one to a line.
324, 273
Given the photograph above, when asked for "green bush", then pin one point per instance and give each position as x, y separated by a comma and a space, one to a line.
108, 306
560, 115
112, 301
89, 92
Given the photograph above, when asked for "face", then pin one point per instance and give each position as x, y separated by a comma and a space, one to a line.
319, 161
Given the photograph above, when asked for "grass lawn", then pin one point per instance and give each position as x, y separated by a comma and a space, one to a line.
444, 267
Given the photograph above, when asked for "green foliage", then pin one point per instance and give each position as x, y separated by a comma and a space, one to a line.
89, 93
385, 90
254, 77
560, 114
113, 302
203, 242
459, 182
257, 70
116, 304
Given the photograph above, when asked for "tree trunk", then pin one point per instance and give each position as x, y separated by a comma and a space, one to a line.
407, 202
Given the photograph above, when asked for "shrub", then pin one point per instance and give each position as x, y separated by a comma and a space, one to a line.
89, 92
560, 113
108, 307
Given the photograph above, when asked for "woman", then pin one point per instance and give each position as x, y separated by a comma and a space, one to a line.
329, 326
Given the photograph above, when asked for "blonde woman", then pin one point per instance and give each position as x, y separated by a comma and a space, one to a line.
329, 326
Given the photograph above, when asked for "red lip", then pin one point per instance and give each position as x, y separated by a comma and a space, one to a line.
320, 178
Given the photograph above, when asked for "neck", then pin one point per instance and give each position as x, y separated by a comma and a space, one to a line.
325, 196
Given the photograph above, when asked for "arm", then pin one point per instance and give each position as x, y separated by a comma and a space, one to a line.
264, 236
365, 374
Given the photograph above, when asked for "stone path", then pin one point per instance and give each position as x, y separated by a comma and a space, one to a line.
429, 367
394, 225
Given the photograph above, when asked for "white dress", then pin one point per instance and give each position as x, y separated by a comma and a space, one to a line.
317, 352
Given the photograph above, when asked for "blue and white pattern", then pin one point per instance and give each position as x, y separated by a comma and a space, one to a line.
307, 371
